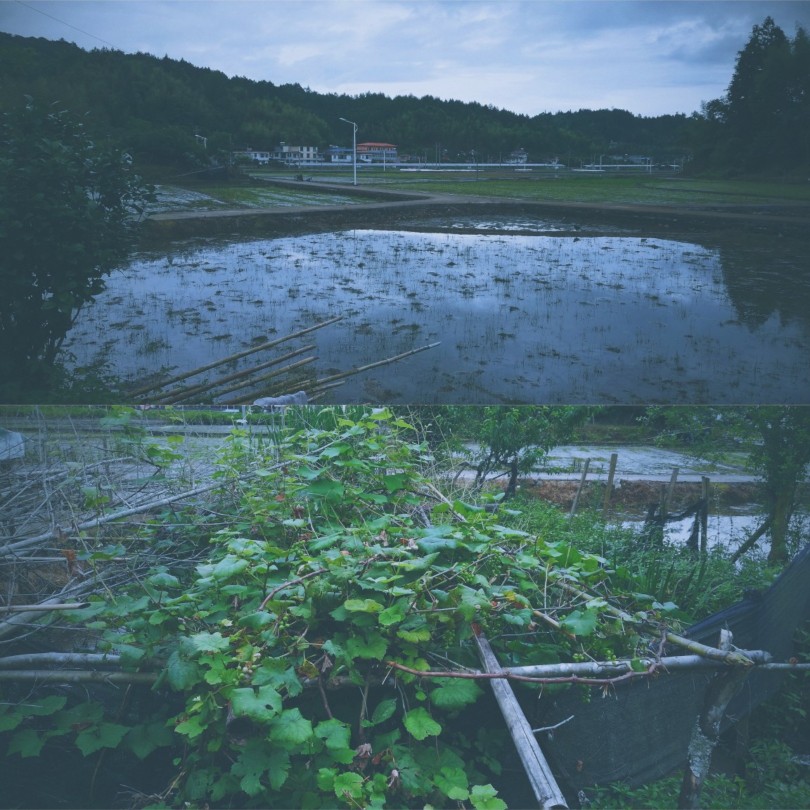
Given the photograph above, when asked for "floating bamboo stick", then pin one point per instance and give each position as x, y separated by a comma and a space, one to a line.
269, 345
375, 365
179, 394
248, 399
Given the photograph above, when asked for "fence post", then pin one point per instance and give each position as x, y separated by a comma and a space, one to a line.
581, 485
668, 492
614, 457
704, 515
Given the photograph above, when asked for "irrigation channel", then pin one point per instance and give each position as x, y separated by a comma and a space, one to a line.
528, 302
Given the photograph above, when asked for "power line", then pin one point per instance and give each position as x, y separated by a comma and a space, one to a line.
80, 30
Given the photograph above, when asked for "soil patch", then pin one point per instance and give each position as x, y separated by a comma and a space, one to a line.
637, 496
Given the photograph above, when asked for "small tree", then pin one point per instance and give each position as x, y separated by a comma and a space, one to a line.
515, 439
67, 208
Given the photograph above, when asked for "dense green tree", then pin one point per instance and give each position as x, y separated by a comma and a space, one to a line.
777, 440
761, 122
133, 98
66, 211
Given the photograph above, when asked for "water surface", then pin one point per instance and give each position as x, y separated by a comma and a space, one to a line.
522, 317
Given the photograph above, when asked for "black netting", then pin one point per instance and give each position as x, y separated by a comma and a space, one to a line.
640, 730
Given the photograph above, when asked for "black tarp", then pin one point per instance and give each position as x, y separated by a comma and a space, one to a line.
640, 730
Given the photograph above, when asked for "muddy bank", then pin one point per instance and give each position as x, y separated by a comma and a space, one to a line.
398, 209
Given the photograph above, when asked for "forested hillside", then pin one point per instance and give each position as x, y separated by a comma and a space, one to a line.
155, 107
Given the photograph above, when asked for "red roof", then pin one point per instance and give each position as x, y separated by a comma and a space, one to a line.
377, 145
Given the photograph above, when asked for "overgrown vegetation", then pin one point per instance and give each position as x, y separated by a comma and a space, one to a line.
282, 627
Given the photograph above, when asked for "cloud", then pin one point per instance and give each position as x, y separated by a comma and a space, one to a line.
530, 56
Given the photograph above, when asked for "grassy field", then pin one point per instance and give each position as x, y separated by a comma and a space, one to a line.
564, 186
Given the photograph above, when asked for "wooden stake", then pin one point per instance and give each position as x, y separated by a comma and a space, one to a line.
721, 689
614, 457
704, 514
581, 485
668, 494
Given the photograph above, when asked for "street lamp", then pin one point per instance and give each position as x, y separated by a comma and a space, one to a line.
354, 147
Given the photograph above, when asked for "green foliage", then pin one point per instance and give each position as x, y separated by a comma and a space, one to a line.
66, 206
280, 650
153, 107
698, 587
775, 440
758, 125
517, 438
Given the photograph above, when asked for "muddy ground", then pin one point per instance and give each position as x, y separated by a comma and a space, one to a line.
386, 208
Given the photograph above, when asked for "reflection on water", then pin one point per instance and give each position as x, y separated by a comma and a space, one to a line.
521, 318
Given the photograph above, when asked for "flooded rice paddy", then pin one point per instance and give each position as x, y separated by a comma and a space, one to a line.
525, 312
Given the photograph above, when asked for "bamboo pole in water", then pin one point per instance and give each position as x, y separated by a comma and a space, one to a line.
269, 345
182, 393
248, 399
378, 363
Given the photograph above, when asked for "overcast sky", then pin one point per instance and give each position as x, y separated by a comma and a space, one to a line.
529, 56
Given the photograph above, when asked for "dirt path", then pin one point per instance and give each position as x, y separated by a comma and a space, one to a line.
392, 207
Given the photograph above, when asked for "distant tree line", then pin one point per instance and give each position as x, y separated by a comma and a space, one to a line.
154, 107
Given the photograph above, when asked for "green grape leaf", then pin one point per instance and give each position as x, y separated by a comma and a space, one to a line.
104, 735
455, 693
291, 728
262, 705
420, 724
580, 622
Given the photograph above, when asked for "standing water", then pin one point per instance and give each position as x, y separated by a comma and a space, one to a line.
522, 317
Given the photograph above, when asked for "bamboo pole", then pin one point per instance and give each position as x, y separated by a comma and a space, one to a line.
58, 659
177, 393
277, 373
77, 676
374, 365
269, 345
537, 769
580, 487
248, 399
22, 608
